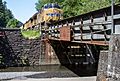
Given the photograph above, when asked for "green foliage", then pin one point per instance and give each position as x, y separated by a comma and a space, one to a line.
77, 7
5, 14
2, 9
40, 3
8, 14
31, 34
13, 23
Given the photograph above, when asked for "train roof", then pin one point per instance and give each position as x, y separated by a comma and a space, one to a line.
51, 5
33, 17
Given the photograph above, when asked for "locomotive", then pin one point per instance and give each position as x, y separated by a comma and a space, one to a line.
49, 13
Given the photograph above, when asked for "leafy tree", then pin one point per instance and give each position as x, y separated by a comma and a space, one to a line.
71, 7
13, 23
40, 3
8, 14
77, 7
5, 14
2, 19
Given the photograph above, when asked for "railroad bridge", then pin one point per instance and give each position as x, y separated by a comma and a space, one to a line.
82, 36
79, 40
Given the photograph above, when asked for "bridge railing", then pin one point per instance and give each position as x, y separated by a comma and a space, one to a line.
9, 29
93, 27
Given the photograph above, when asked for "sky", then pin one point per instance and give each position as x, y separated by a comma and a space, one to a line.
22, 9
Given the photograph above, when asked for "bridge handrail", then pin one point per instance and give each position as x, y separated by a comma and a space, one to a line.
9, 29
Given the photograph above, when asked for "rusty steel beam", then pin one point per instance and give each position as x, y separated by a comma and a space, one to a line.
102, 43
65, 33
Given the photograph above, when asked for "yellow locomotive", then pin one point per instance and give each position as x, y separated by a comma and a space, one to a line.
49, 12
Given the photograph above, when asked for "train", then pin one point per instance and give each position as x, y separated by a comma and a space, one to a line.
48, 13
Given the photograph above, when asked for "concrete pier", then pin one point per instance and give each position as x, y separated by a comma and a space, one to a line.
109, 63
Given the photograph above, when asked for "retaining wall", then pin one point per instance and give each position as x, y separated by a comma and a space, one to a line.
27, 51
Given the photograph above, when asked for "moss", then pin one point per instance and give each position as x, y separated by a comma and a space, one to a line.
31, 34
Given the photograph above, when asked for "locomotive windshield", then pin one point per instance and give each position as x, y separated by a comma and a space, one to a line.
51, 5
53, 14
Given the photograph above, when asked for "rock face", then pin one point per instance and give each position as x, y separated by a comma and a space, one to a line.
25, 51
109, 63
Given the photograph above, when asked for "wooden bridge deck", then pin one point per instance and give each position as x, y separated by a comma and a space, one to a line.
90, 28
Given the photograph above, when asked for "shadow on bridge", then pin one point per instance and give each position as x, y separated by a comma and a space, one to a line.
82, 59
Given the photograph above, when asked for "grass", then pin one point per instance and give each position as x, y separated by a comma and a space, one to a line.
31, 34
